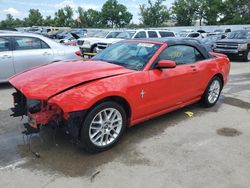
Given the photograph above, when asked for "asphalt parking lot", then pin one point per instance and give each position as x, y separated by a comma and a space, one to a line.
210, 149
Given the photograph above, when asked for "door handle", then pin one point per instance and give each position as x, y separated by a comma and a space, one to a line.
46, 53
193, 67
6, 56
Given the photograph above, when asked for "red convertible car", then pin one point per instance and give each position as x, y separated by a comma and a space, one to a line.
127, 83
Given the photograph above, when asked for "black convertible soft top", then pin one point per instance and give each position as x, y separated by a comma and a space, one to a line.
171, 41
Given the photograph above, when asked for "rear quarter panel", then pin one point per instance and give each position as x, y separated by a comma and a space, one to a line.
217, 65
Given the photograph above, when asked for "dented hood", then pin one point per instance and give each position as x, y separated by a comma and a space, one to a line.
46, 81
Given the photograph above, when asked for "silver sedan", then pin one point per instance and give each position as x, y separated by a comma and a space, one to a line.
22, 51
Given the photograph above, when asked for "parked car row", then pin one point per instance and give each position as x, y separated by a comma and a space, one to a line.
131, 34
236, 43
21, 51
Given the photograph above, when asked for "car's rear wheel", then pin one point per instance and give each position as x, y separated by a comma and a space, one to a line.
212, 93
103, 127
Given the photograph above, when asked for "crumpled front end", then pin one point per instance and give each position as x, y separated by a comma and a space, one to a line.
39, 112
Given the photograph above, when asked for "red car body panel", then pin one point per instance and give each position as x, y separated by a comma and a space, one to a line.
56, 77
75, 86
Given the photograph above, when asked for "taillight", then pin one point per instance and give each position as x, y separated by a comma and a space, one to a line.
78, 53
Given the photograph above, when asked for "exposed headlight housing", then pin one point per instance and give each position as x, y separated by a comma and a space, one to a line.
243, 47
33, 106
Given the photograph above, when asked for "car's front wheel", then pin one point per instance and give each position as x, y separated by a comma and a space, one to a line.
103, 127
212, 93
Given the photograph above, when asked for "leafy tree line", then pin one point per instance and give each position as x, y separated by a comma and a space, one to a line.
211, 12
112, 14
152, 14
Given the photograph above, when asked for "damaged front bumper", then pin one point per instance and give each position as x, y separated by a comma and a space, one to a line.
39, 112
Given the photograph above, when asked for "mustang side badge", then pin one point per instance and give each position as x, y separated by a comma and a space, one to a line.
142, 94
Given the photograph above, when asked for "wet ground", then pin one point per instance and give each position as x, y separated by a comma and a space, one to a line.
210, 149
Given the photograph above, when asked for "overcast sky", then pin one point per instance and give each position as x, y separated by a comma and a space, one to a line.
20, 8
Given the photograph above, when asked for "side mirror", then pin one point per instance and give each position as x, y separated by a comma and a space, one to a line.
164, 64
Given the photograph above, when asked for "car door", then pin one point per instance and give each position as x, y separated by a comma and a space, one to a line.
30, 52
176, 86
6, 59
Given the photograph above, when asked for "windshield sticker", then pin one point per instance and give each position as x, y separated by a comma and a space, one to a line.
147, 45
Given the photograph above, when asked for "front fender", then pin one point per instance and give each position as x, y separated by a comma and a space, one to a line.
83, 97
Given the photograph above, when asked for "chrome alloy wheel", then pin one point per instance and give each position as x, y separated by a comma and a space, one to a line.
105, 127
214, 91
248, 56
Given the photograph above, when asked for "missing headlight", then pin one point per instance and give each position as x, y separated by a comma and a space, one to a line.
33, 106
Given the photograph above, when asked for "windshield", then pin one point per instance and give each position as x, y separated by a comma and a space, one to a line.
210, 39
126, 35
101, 34
113, 34
131, 55
239, 35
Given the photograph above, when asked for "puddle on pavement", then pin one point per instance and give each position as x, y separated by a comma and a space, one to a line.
229, 132
70, 160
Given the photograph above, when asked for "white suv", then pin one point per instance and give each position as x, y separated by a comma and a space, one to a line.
89, 43
134, 34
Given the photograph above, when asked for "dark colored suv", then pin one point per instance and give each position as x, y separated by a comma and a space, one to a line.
237, 43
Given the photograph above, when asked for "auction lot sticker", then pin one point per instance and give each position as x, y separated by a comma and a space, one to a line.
147, 45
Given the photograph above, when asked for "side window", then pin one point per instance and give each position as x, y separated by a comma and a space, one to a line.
29, 43
181, 54
140, 35
166, 34
152, 34
194, 35
4, 44
198, 56
113, 34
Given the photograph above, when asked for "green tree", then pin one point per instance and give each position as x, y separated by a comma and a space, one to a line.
34, 18
48, 21
209, 11
89, 18
236, 12
64, 17
9, 22
114, 14
185, 11
154, 15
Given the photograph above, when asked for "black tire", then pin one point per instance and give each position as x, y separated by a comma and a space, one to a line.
205, 97
85, 140
94, 49
246, 56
